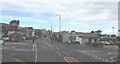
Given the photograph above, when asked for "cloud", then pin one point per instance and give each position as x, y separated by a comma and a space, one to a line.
73, 12
26, 19
1, 21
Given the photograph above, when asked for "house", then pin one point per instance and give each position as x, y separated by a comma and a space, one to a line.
84, 38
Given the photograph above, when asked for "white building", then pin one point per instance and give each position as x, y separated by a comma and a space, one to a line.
84, 38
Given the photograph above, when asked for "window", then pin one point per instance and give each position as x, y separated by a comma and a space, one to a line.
80, 36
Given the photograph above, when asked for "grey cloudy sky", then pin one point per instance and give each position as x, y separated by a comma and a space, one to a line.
79, 15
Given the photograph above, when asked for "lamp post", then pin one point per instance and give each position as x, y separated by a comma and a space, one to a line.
113, 30
59, 22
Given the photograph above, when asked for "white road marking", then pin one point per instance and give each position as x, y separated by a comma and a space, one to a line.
75, 59
99, 58
107, 60
36, 54
79, 51
109, 53
58, 53
13, 47
16, 43
96, 57
70, 59
93, 55
33, 47
57, 48
65, 53
88, 54
22, 50
102, 59
66, 60
16, 59
112, 58
84, 52
114, 52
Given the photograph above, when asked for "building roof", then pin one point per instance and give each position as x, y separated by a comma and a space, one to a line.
106, 37
86, 35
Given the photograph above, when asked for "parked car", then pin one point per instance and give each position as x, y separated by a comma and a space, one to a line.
1, 41
6, 38
105, 42
111, 43
75, 42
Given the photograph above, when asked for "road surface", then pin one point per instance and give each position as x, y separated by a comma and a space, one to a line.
42, 50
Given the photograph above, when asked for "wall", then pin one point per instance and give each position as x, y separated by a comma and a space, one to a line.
65, 37
84, 41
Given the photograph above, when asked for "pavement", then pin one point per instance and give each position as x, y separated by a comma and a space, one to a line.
43, 50
17, 52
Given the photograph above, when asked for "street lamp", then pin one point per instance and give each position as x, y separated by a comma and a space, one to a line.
59, 22
113, 30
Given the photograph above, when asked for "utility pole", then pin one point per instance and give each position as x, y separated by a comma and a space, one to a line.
113, 30
51, 28
51, 35
59, 22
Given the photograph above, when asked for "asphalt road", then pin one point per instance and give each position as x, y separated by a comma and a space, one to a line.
18, 52
42, 50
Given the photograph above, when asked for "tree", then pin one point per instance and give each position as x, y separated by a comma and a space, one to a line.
99, 32
14, 22
92, 32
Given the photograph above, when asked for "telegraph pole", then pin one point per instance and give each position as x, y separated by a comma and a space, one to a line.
59, 22
113, 30
51, 35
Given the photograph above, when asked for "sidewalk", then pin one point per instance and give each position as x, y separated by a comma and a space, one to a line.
21, 42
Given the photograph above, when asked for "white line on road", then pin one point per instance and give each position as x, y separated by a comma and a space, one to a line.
109, 53
78, 50
93, 55
57, 48
58, 53
13, 47
66, 60
88, 54
96, 57
112, 58
107, 60
34, 46
102, 59
16, 59
70, 59
99, 58
36, 54
65, 53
